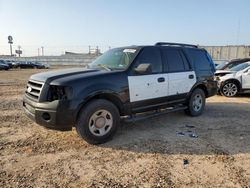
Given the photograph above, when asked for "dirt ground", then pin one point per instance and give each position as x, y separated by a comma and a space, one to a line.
148, 153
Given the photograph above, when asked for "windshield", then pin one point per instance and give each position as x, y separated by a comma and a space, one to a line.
240, 67
221, 65
115, 59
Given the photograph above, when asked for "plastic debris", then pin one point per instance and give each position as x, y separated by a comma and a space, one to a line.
185, 163
188, 133
190, 126
193, 135
180, 134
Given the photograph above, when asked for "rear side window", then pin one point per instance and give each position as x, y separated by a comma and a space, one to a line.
175, 60
150, 55
200, 60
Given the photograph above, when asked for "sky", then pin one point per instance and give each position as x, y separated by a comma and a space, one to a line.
73, 25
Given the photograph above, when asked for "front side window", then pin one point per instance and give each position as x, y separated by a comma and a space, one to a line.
115, 59
221, 65
152, 56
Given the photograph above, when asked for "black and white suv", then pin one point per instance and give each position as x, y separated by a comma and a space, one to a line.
122, 83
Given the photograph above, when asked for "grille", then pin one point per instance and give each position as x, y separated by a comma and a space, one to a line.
33, 89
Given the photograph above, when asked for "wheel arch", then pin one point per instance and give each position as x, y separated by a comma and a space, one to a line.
108, 95
237, 82
200, 86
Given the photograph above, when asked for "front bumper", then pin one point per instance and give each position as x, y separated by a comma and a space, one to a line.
220, 84
56, 115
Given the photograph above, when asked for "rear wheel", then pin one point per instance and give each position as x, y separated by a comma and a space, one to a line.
98, 121
196, 103
229, 89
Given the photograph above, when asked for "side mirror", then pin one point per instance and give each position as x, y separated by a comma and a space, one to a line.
143, 69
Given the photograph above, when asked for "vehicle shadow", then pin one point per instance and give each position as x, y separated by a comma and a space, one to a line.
224, 128
247, 94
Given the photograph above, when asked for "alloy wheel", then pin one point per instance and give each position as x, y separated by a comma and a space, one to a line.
230, 89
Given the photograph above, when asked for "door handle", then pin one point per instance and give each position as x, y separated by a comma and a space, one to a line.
161, 79
191, 76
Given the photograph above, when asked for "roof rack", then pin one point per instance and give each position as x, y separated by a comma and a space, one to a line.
175, 44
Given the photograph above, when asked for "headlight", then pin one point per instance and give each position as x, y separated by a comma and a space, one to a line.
60, 93
217, 78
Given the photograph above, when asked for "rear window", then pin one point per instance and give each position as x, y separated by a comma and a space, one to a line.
200, 60
175, 60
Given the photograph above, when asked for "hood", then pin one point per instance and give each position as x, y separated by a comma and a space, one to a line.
223, 72
228, 76
49, 76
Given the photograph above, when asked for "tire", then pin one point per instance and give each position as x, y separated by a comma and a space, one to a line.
196, 103
98, 121
229, 89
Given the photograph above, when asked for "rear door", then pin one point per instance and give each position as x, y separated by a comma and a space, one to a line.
181, 77
145, 90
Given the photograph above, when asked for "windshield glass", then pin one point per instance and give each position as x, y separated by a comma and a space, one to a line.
240, 67
115, 59
221, 65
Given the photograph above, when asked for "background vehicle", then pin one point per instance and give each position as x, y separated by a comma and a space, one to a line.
236, 80
219, 62
123, 82
14, 63
3, 65
8, 62
29, 64
228, 65
39, 65
46, 65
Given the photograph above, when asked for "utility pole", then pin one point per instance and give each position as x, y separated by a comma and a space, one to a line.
10, 41
97, 50
19, 50
89, 49
42, 51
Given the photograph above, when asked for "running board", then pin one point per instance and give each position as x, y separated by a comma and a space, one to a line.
145, 115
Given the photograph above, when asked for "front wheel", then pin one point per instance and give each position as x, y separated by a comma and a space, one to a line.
229, 89
98, 121
196, 103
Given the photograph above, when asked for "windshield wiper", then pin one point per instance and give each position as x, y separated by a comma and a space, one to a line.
104, 66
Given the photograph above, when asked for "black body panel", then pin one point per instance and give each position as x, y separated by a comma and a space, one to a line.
88, 84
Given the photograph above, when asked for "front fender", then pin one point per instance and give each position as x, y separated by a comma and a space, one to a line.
89, 92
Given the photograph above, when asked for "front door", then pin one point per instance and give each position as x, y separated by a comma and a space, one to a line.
246, 80
146, 87
144, 90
